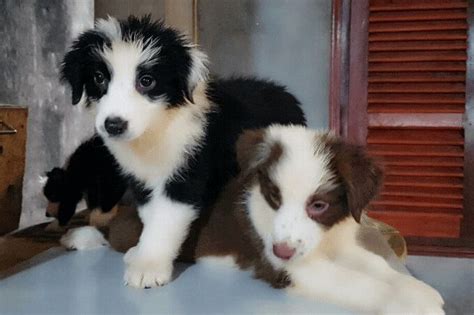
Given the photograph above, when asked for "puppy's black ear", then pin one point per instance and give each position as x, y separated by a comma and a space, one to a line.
82, 54
362, 177
72, 73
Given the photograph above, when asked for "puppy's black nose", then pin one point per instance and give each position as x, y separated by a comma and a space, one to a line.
115, 126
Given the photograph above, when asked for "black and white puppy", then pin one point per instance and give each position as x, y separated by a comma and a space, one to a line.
171, 129
91, 173
292, 218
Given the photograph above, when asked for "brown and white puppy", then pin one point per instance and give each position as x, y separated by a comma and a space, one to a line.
292, 217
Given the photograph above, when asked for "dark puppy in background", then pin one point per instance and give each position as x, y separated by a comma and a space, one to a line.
171, 128
91, 173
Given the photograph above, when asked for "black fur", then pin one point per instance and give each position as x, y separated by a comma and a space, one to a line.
242, 103
91, 172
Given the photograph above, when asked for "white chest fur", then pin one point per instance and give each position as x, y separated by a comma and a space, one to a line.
160, 152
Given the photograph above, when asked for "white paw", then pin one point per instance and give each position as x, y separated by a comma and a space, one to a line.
145, 272
82, 238
411, 296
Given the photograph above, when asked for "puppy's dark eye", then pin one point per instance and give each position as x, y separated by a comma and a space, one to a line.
316, 208
146, 82
320, 205
99, 78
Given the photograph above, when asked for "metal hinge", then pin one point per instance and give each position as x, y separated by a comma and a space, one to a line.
6, 129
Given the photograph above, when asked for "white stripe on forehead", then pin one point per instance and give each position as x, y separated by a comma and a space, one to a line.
305, 164
110, 28
130, 53
133, 51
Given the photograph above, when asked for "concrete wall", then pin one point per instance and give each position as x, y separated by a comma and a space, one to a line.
285, 40
35, 35
121, 9
177, 13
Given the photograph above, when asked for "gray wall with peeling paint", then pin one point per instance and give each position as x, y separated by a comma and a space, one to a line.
285, 40
35, 35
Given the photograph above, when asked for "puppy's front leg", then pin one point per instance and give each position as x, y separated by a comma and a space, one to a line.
410, 293
165, 227
329, 282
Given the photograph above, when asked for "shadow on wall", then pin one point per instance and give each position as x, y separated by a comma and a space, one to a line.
35, 35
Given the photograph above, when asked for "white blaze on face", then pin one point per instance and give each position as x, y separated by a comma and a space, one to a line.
122, 99
302, 169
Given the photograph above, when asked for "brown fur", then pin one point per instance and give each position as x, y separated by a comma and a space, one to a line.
229, 232
52, 209
255, 158
101, 219
337, 210
269, 190
125, 229
361, 175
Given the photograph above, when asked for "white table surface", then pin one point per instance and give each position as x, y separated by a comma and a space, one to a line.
90, 282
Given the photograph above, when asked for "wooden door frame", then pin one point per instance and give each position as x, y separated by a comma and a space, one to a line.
348, 78
348, 98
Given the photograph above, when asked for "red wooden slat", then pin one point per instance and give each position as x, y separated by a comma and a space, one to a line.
396, 5
413, 209
422, 224
433, 88
416, 150
414, 193
418, 108
417, 26
418, 201
417, 77
440, 66
416, 98
407, 203
424, 171
436, 136
455, 193
418, 45
413, 120
418, 15
413, 56
448, 182
422, 161
426, 35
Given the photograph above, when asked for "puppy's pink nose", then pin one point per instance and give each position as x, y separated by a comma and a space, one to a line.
283, 251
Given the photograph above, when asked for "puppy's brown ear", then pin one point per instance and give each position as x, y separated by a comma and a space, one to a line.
362, 177
248, 148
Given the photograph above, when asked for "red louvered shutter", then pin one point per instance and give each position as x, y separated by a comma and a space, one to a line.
415, 105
